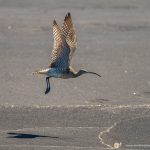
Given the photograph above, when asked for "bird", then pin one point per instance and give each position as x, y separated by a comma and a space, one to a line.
64, 46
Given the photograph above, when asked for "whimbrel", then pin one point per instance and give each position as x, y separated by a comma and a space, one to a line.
65, 43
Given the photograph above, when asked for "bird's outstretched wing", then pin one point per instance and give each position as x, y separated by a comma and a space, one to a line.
69, 34
61, 50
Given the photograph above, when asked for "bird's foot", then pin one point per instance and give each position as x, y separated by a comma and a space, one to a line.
47, 90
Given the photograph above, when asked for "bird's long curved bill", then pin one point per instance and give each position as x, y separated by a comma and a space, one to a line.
94, 73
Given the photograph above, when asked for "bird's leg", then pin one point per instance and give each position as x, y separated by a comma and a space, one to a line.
48, 85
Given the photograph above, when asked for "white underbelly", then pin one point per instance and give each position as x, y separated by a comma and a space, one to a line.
56, 73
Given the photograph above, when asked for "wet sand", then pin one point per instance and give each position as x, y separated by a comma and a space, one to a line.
113, 40
83, 113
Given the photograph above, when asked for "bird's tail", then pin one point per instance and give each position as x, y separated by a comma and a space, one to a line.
40, 71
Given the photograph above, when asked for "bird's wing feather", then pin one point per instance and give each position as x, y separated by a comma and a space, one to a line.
61, 50
69, 34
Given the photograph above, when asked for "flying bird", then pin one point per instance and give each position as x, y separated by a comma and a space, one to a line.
65, 43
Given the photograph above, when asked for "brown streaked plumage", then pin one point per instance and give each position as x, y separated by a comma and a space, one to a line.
58, 47
69, 33
65, 43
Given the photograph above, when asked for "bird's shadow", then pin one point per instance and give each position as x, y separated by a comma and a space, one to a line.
100, 100
28, 136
